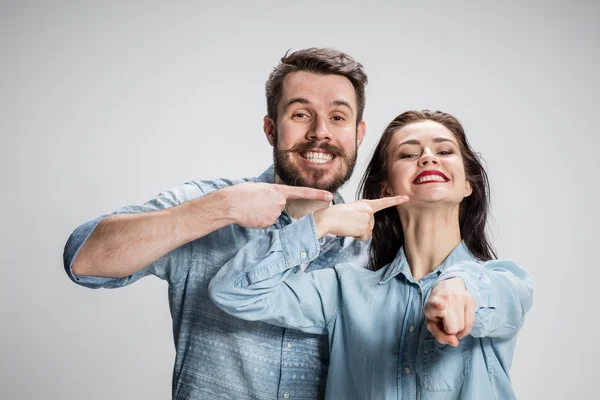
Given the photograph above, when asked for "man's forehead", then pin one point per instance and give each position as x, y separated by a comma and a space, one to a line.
324, 90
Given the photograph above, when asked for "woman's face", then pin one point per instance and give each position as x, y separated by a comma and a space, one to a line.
425, 163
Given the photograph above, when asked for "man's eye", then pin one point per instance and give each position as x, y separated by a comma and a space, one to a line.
300, 115
338, 118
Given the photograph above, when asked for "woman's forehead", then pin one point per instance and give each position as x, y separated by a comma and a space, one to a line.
422, 131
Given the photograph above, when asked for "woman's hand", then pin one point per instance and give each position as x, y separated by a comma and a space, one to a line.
450, 311
353, 219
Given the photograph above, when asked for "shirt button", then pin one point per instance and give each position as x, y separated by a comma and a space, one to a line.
303, 254
411, 328
406, 370
289, 345
286, 395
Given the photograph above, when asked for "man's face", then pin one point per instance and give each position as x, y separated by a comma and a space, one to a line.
315, 137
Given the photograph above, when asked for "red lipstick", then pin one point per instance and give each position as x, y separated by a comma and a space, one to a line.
430, 172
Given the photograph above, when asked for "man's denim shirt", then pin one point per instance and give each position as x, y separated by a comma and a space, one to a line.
219, 356
379, 345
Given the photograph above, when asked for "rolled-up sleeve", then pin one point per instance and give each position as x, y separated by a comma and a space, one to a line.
170, 267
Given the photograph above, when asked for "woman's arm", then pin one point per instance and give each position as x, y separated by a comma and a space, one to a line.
265, 281
503, 294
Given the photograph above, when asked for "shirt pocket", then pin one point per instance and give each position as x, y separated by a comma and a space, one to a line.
444, 367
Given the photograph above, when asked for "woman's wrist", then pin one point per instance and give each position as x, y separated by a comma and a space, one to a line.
321, 222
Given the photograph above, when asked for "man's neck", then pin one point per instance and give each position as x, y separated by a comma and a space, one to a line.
429, 237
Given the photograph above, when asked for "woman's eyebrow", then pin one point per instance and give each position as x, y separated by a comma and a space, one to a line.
415, 141
442, 139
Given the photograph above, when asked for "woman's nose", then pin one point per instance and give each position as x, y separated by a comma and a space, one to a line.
428, 158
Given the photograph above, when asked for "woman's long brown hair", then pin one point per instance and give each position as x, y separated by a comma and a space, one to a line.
388, 236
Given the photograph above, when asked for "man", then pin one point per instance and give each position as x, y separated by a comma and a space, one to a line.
315, 103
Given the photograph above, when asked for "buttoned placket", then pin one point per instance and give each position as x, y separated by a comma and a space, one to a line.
409, 341
290, 340
287, 357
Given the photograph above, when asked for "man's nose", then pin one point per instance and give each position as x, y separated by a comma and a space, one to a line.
319, 130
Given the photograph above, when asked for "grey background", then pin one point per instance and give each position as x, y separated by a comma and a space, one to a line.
103, 105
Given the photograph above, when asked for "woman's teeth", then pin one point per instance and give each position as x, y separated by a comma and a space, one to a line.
429, 178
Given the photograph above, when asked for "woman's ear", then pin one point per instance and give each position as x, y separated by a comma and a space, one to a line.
386, 190
468, 188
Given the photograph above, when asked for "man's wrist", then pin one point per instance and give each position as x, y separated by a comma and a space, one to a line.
224, 207
203, 215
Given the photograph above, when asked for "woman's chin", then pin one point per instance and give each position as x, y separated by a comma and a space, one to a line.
432, 201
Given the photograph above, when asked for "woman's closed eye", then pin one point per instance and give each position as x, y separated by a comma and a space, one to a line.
409, 155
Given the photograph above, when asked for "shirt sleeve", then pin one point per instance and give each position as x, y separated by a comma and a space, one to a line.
264, 282
503, 292
171, 267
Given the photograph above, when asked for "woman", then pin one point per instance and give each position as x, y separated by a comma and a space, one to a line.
433, 317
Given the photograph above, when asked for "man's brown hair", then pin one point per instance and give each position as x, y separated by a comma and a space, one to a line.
321, 61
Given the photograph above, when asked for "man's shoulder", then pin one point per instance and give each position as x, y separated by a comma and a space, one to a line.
209, 185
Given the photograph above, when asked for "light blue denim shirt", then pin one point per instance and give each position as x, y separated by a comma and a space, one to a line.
379, 345
219, 356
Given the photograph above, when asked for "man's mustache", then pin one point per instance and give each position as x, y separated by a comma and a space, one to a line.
308, 146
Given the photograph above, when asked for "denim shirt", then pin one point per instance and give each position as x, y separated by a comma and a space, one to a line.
219, 356
379, 345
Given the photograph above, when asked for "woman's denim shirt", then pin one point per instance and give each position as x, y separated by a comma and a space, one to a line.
379, 345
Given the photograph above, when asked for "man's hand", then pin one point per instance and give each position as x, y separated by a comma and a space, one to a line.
355, 219
450, 311
258, 205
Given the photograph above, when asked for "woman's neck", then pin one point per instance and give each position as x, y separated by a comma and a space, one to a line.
429, 237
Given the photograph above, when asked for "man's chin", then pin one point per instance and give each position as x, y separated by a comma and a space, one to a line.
323, 177
329, 184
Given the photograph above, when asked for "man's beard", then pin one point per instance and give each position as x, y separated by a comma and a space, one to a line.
291, 175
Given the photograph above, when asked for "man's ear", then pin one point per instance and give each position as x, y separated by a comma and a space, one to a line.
361, 131
269, 128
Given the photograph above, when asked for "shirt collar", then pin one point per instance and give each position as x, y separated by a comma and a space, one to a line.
400, 264
268, 176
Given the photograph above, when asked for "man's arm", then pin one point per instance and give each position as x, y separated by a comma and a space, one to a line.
124, 244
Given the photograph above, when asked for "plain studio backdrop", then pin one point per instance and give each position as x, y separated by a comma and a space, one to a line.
104, 105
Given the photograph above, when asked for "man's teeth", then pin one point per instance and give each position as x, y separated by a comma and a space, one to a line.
429, 178
319, 158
